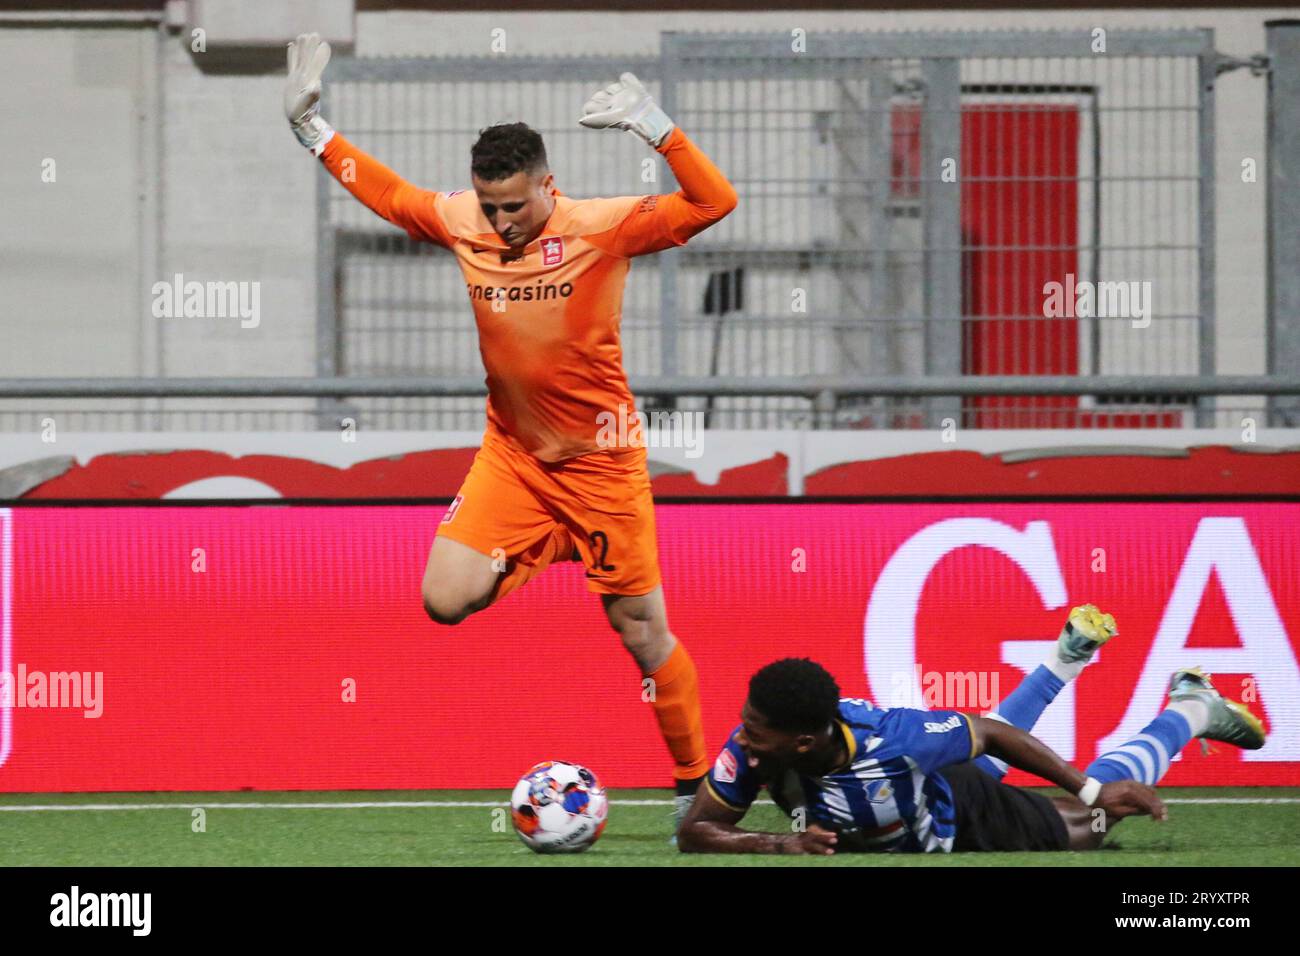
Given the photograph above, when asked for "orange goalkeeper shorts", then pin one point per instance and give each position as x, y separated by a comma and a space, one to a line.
511, 501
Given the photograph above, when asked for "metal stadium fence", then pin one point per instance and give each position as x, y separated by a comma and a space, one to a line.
915, 208
904, 199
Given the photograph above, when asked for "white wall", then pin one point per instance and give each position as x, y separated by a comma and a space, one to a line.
73, 240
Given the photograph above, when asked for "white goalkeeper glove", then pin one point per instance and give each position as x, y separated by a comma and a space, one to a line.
627, 105
307, 58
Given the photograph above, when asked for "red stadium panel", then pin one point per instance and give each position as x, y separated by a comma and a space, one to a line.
1020, 224
236, 673
1021, 229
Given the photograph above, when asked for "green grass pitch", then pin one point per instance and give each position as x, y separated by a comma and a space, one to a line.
1253, 833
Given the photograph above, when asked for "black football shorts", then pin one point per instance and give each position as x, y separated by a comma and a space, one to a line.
994, 816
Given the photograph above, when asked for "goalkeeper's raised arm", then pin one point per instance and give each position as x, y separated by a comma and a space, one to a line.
383, 191
705, 195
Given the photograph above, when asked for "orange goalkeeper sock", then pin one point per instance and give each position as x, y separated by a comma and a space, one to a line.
676, 700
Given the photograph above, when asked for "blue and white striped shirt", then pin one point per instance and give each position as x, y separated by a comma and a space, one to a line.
888, 791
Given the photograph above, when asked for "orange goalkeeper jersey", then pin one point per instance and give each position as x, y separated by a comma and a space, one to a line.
548, 322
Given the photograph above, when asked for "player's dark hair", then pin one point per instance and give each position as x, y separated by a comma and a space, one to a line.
506, 149
795, 695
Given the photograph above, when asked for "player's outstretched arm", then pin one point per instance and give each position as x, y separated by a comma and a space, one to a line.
705, 195
710, 827
383, 191
1119, 799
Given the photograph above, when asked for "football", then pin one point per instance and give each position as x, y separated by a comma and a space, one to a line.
558, 807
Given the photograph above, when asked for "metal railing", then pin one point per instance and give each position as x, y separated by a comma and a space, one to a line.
823, 401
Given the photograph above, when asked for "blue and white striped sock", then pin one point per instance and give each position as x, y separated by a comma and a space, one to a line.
1022, 708
1146, 757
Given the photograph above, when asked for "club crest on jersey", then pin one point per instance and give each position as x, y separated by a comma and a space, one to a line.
552, 251
879, 791
724, 768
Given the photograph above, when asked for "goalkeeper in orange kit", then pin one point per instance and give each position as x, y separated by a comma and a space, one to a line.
544, 274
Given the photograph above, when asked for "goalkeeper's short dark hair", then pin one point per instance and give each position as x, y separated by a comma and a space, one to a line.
795, 695
506, 149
